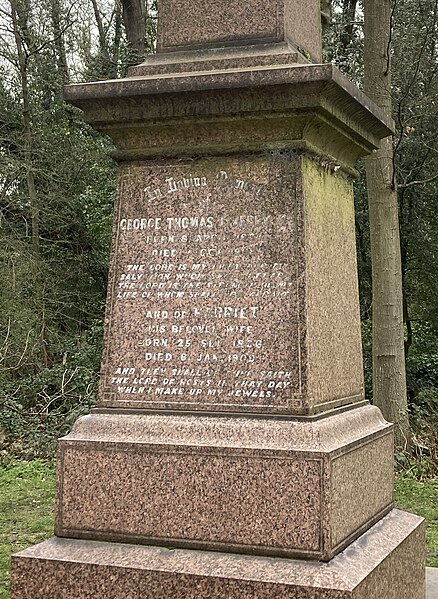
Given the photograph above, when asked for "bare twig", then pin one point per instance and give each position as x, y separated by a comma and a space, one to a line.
414, 183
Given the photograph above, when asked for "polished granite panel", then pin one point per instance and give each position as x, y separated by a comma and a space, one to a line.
186, 25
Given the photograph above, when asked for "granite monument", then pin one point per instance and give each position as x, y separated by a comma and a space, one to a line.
232, 453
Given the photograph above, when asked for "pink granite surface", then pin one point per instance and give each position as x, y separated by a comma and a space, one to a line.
387, 562
255, 486
348, 483
217, 59
203, 306
187, 24
302, 23
229, 290
333, 329
232, 23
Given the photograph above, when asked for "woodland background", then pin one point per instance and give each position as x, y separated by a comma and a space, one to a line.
57, 190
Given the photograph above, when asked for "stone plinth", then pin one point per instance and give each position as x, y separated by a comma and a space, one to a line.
385, 563
254, 486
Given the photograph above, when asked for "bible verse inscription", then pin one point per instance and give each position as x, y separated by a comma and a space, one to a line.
203, 309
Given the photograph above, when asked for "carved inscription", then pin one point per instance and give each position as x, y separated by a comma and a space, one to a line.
203, 306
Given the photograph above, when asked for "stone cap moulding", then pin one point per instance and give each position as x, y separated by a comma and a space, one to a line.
326, 435
318, 109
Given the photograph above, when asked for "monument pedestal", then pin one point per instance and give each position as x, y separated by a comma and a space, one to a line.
260, 486
232, 454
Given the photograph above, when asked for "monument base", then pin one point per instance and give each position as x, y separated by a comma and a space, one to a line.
283, 488
387, 562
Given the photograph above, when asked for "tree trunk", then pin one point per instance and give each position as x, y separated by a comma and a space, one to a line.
348, 19
389, 373
18, 19
59, 42
118, 22
134, 17
326, 14
101, 29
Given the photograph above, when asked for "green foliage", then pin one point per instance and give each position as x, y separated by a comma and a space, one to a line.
53, 258
52, 296
419, 497
367, 357
26, 510
423, 359
343, 42
415, 99
45, 405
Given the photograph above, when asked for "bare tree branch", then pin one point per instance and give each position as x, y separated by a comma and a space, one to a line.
423, 182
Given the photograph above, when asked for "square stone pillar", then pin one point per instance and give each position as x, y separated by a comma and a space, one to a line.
232, 453
189, 25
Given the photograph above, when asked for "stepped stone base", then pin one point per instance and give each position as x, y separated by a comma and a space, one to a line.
387, 562
301, 489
